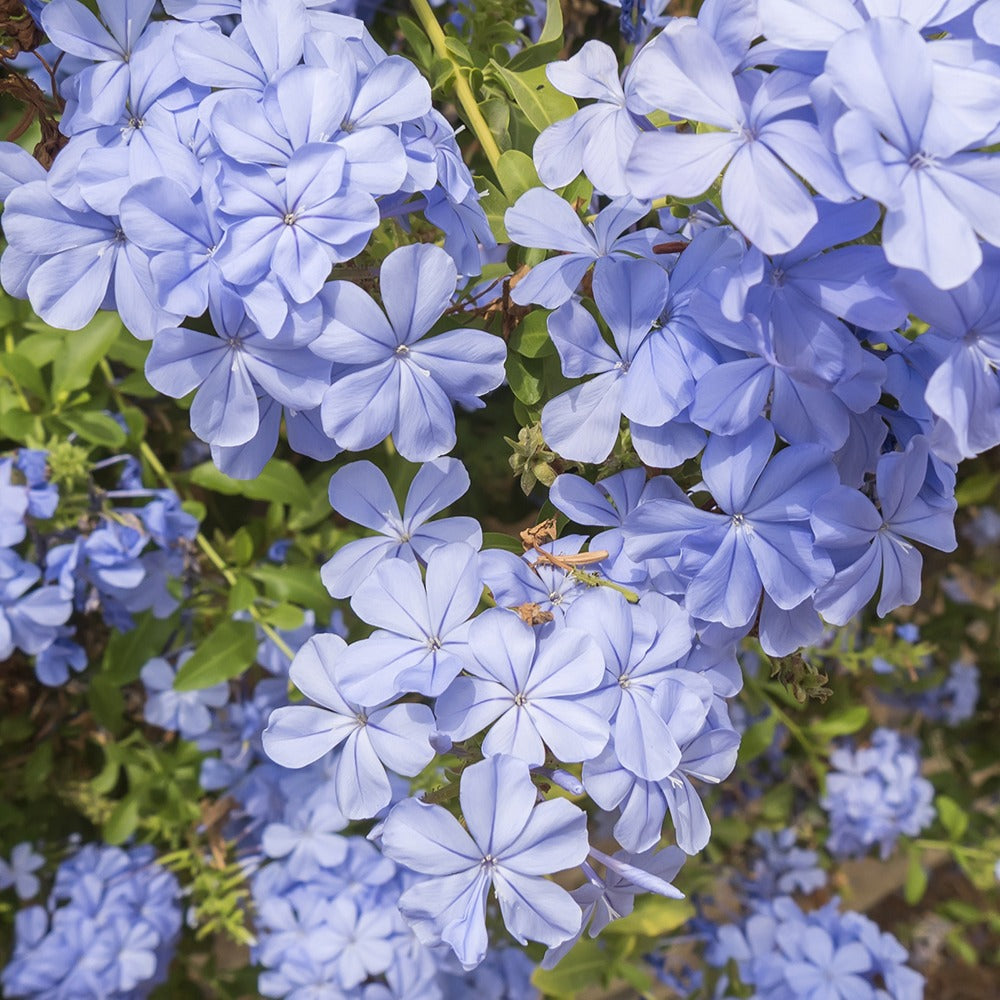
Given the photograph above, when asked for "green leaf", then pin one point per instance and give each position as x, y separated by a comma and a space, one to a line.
776, 803
494, 203
758, 738
531, 338
242, 595
106, 780
496, 540
278, 481
541, 103
525, 382
227, 652
298, 584
586, 965
95, 427
916, 879
549, 43
82, 350
128, 652
953, 817
106, 702
286, 617
122, 822
23, 372
242, 547
517, 173
841, 723
42, 347
38, 767
459, 51
978, 488
418, 41
553, 30
653, 916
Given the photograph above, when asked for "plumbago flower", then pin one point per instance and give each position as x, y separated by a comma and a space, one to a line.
533, 688
707, 751
754, 139
540, 218
963, 391
759, 540
361, 493
511, 843
905, 140
422, 639
870, 544
583, 423
640, 645
204, 164
394, 381
228, 370
374, 737
598, 138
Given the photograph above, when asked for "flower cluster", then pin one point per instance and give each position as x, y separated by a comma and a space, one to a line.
108, 929
326, 901
784, 868
785, 953
559, 673
778, 323
32, 617
226, 162
336, 923
114, 556
809, 352
875, 794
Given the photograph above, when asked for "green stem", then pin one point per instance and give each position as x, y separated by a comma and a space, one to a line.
593, 580
944, 845
9, 346
473, 116
203, 543
798, 733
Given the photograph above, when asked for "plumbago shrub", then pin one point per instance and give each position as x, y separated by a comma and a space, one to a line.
466, 482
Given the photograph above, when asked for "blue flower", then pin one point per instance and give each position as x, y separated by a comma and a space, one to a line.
962, 388
360, 492
784, 868
640, 645
28, 621
309, 840
753, 138
395, 381
596, 139
292, 232
707, 752
540, 218
373, 737
100, 89
226, 371
82, 262
583, 423
761, 537
871, 544
511, 843
421, 643
875, 794
108, 929
20, 871
14, 500
186, 712
534, 687
905, 139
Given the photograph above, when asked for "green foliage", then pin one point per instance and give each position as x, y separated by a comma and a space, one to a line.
227, 651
